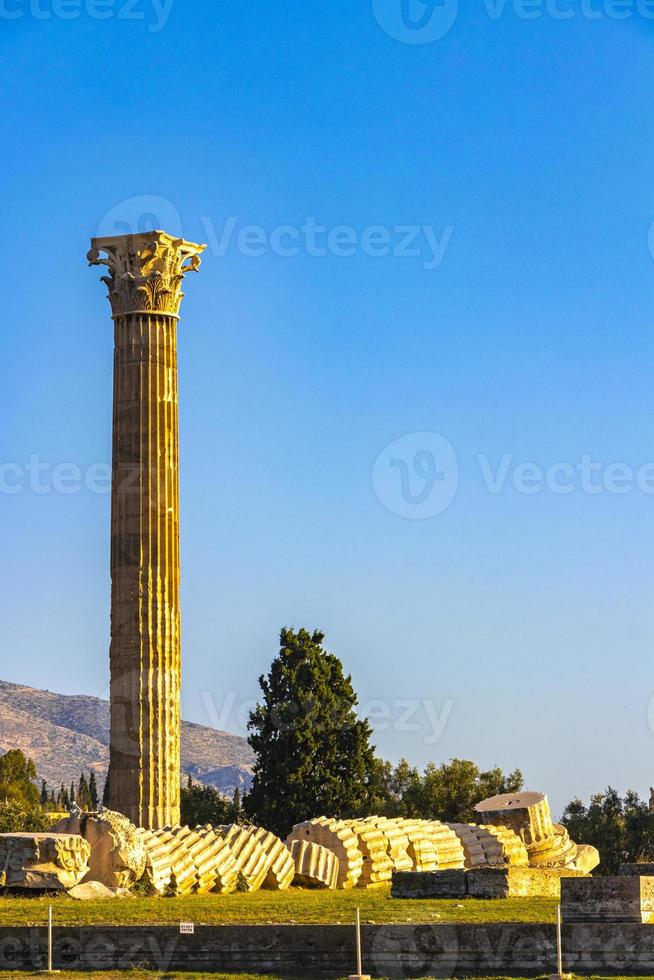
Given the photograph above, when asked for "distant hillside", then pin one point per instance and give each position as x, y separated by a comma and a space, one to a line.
67, 735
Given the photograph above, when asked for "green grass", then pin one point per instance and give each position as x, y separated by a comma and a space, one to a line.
296, 907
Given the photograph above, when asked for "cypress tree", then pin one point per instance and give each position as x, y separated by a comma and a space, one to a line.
313, 755
83, 795
93, 791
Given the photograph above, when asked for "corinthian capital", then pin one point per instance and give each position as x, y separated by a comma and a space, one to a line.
146, 271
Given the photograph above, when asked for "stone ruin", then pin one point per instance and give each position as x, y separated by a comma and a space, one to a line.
515, 850
43, 862
516, 839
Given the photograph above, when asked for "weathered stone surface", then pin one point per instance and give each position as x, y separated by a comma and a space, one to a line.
373, 844
397, 842
516, 882
558, 851
315, 866
181, 861
43, 862
281, 866
447, 846
430, 884
482, 882
145, 278
527, 814
620, 898
217, 869
249, 855
454, 949
421, 850
337, 836
158, 866
490, 846
588, 858
645, 870
117, 850
91, 891
548, 844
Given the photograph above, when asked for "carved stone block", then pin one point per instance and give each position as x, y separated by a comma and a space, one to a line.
43, 862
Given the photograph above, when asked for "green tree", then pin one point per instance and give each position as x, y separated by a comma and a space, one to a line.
621, 829
203, 804
44, 793
93, 791
106, 792
313, 754
237, 807
393, 792
83, 796
17, 816
450, 791
17, 775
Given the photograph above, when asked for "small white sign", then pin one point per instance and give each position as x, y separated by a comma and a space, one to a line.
187, 928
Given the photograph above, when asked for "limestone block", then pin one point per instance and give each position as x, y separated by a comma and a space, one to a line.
315, 866
91, 891
448, 847
516, 882
248, 853
643, 869
587, 859
421, 849
337, 837
528, 814
117, 850
430, 884
487, 846
182, 860
158, 869
184, 876
621, 898
397, 842
169, 866
377, 865
46, 862
217, 862
281, 866
473, 849
557, 851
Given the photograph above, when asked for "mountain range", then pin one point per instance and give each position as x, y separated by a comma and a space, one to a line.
66, 735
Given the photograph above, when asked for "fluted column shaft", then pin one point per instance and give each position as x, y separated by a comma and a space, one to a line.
145, 278
145, 613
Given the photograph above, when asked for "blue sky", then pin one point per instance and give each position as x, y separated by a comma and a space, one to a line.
513, 159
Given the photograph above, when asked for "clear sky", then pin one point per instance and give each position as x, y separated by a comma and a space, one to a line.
512, 157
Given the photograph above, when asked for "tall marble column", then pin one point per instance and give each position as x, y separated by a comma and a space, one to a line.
146, 273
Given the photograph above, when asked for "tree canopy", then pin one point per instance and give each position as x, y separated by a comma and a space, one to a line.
621, 828
313, 753
447, 792
17, 775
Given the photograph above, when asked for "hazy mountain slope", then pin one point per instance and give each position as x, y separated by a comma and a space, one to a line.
66, 735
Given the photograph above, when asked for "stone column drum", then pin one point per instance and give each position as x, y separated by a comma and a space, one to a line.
146, 273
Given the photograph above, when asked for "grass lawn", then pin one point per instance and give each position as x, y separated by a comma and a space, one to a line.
294, 907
